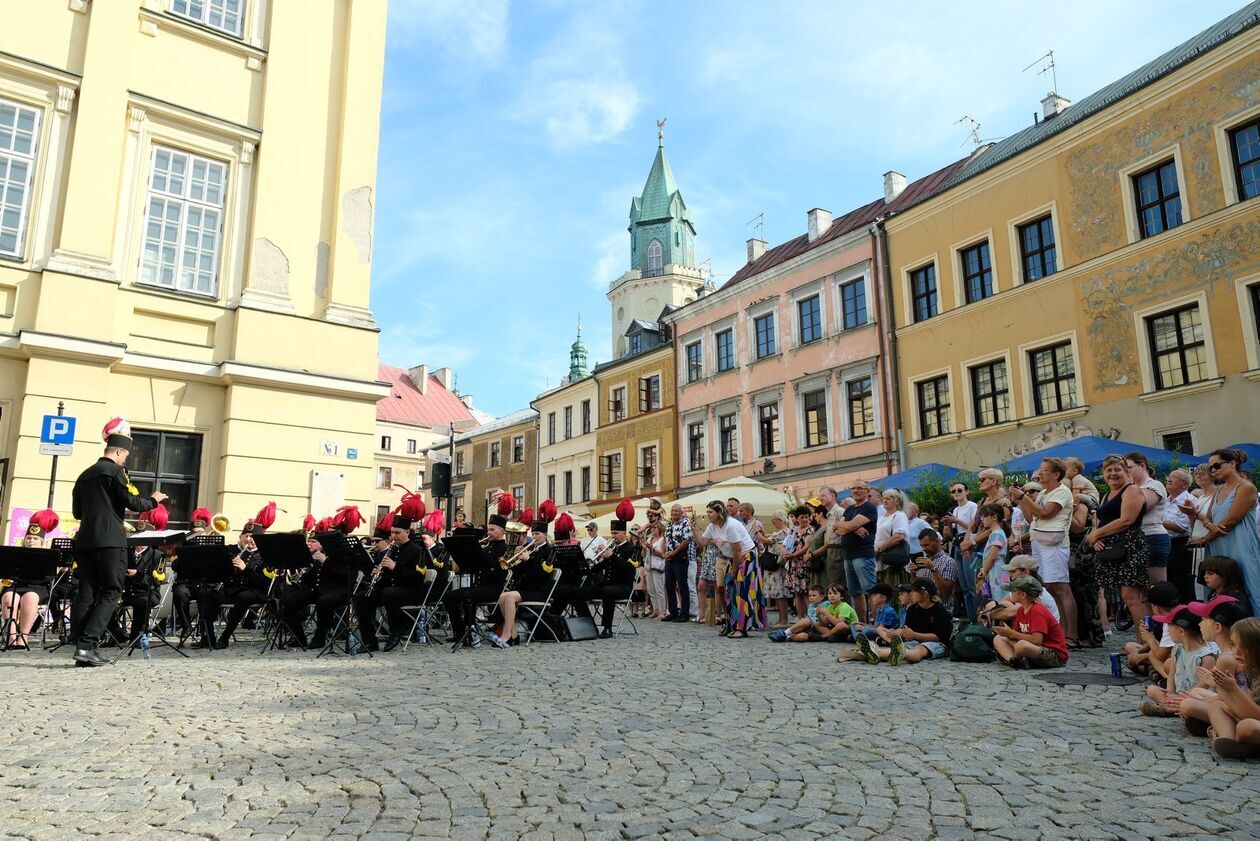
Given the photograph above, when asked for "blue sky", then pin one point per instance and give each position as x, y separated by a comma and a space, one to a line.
513, 136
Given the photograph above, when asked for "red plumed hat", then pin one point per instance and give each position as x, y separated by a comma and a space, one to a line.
625, 510
117, 433
158, 517
412, 506
546, 510
324, 525
308, 523
564, 524
267, 516
348, 518
383, 526
526, 517
436, 522
507, 504
203, 516
43, 523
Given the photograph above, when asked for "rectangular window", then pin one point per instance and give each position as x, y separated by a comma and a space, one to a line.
551, 427
459, 463
411, 446
1053, 378
610, 474
518, 494
636, 343
1178, 353
695, 362
495, 454
586, 483
551, 487
1036, 248
169, 462
728, 444
853, 303
457, 501
617, 405
518, 449
725, 342
184, 222
586, 416
809, 312
977, 272
923, 292
695, 445
763, 325
650, 393
568, 422
1244, 142
386, 442
647, 469
814, 411
19, 136
990, 393
768, 427
223, 15
933, 407
1178, 442
381, 512
568, 487
384, 478
861, 400
1158, 199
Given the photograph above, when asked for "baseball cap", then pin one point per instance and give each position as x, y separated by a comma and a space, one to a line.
1027, 584
1165, 594
927, 585
1022, 562
590, 526
906, 588
1224, 609
1181, 616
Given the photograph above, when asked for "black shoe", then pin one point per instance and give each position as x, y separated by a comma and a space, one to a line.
204, 642
89, 657
319, 641
392, 643
606, 634
221, 643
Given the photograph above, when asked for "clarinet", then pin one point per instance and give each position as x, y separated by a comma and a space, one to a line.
376, 576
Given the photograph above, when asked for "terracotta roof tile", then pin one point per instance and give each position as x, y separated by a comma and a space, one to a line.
437, 408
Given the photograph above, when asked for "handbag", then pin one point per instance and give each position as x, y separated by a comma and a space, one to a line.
1049, 537
1110, 554
897, 557
770, 561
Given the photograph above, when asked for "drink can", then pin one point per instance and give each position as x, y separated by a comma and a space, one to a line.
1115, 664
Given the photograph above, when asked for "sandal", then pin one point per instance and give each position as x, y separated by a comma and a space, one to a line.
737, 635
1075, 645
725, 631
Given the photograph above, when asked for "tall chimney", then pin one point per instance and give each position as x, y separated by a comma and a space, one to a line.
894, 183
756, 247
819, 222
444, 376
420, 377
1054, 105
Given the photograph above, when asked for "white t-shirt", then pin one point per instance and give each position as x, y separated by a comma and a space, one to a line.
1153, 519
916, 527
967, 513
890, 524
1049, 603
1059, 522
732, 538
1203, 505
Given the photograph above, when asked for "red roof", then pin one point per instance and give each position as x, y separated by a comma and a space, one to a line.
437, 408
916, 192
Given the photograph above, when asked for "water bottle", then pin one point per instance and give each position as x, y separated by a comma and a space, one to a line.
352, 644
144, 647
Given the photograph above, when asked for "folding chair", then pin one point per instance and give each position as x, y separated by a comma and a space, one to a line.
423, 614
537, 609
622, 606
481, 627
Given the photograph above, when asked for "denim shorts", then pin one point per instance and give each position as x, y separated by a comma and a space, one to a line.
937, 650
859, 574
1160, 545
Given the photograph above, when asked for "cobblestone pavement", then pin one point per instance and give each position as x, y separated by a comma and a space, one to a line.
674, 733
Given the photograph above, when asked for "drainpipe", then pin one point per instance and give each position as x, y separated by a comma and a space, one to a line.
888, 339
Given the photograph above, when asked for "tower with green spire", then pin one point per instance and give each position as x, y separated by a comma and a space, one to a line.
577, 356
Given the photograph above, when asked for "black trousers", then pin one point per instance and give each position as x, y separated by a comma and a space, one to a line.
209, 600
460, 604
326, 602
676, 579
141, 603
241, 599
609, 594
100, 576
1179, 568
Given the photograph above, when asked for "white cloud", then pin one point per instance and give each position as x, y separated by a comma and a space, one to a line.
612, 258
476, 31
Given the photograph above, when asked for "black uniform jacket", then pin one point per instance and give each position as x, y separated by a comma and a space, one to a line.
100, 500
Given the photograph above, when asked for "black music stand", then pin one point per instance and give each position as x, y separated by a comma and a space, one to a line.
466, 551
350, 552
64, 546
21, 563
202, 562
282, 553
152, 539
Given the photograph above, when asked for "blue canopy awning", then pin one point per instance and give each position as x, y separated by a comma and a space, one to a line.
915, 476
1092, 449
1252, 451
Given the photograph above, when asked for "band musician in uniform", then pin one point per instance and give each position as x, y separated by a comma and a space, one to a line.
612, 575
246, 585
486, 586
531, 581
19, 604
102, 495
398, 583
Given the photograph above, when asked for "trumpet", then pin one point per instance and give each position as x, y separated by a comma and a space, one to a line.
220, 524
521, 555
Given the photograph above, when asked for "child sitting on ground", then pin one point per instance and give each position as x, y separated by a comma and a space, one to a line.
1151, 650
1235, 714
813, 605
905, 598
1190, 651
1036, 641
925, 634
879, 601
1216, 619
834, 617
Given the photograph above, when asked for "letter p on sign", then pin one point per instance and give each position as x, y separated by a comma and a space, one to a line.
57, 429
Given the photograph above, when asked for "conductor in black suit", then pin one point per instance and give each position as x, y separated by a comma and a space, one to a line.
102, 494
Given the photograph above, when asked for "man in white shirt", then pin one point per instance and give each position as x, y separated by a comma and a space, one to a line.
917, 524
1177, 524
1050, 514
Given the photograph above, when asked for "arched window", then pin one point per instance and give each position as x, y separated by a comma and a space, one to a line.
654, 265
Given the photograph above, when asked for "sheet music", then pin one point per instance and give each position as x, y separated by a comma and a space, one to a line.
594, 547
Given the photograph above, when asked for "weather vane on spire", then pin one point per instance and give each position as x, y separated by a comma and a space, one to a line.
660, 131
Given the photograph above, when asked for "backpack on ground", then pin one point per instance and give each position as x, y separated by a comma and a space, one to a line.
972, 644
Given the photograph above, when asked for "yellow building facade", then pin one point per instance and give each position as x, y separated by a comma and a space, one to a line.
186, 241
1097, 272
500, 455
635, 449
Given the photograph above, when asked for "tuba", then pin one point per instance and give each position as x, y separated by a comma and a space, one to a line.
219, 524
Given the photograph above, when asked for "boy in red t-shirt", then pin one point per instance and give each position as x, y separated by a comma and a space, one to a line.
1036, 641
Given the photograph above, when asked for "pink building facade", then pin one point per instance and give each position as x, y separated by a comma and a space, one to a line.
780, 372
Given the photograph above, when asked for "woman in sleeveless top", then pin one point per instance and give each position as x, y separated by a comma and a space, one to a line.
1120, 526
1232, 527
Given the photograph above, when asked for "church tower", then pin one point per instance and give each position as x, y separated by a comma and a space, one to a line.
663, 268
577, 357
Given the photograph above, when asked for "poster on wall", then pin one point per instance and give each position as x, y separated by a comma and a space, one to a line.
20, 518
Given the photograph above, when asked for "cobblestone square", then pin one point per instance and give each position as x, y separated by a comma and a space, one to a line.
671, 734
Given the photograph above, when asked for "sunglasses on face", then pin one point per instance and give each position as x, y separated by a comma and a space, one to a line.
1215, 466
958, 491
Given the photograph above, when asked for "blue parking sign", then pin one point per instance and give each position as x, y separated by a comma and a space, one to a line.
57, 429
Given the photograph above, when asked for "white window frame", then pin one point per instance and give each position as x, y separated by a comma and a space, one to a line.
948, 374
520, 499
843, 378
620, 451
765, 398
1242, 288
1132, 224
31, 161
701, 417
638, 477
720, 410
1028, 383
956, 266
810, 384
694, 340
844, 278
1145, 350
1225, 151
761, 310
907, 287
186, 204
625, 400
728, 323
969, 409
206, 10
1017, 249
1157, 436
